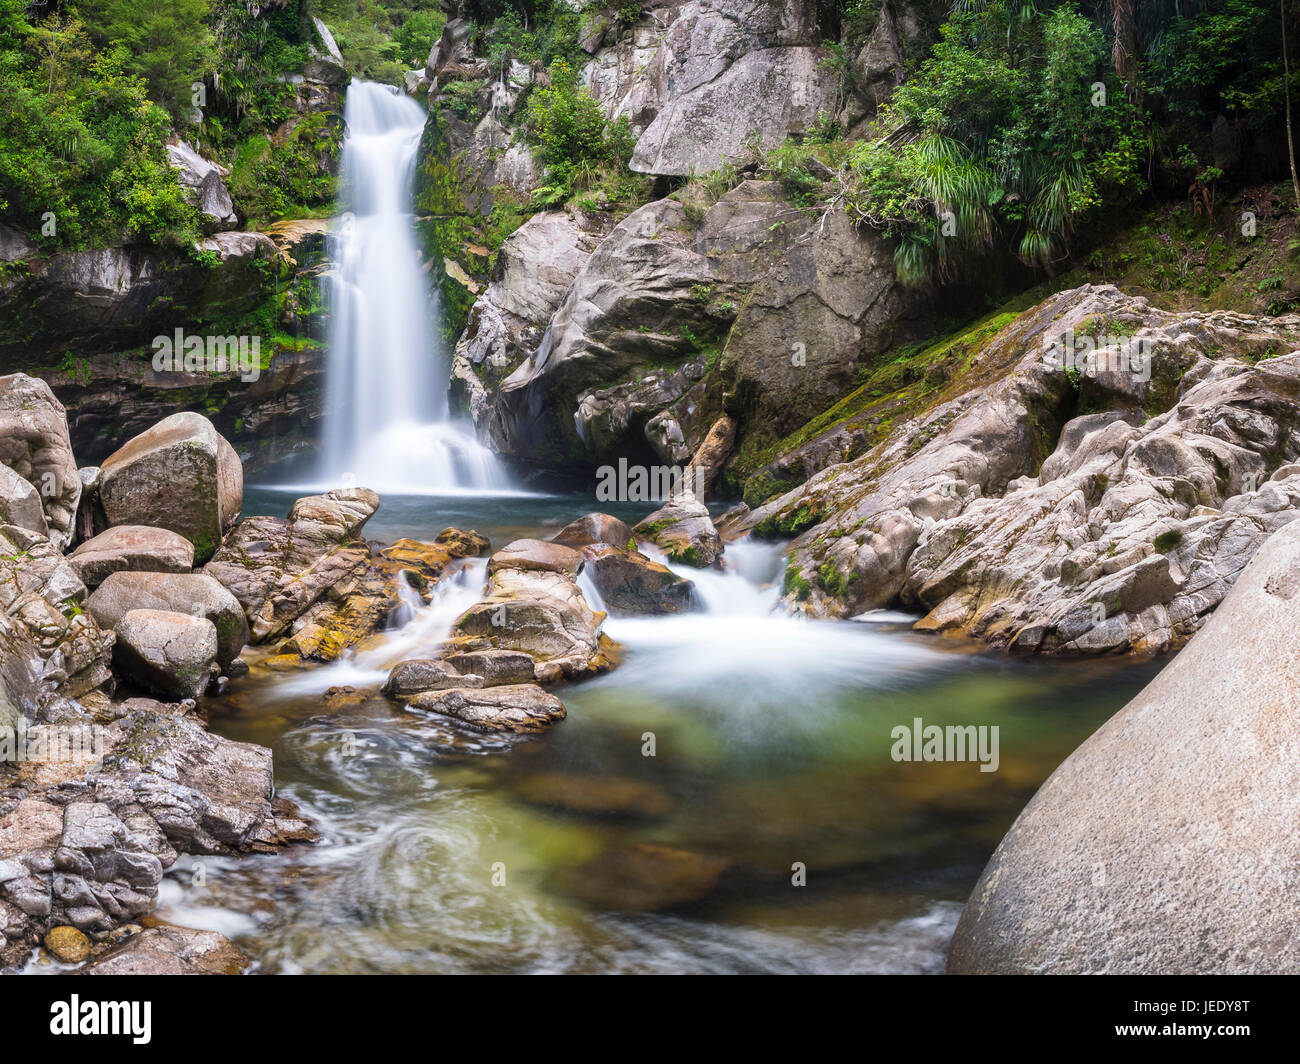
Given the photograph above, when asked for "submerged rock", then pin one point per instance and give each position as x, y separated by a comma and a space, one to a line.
180, 475
620, 799
131, 548
512, 707
645, 877
1166, 842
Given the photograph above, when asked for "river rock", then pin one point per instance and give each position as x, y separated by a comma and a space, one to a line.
496, 667
409, 678
513, 707
539, 613
645, 877
683, 529
596, 528
1166, 843
194, 594
277, 568
536, 555
168, 950
631, 583
20, 504
169, 653
131, 548
595, 796
67, 944
34, 443
180, 475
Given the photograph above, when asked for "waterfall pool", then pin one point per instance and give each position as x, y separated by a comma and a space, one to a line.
771, 831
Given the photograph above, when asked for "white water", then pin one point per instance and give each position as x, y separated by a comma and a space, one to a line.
386, 422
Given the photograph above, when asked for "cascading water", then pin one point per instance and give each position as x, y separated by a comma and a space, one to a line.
387, 425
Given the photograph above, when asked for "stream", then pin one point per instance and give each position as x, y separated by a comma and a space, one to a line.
448, 850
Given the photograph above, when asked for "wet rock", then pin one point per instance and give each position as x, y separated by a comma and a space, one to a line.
34, 444
67, 944
620, 799
131, 548
277, 568
409, 678
171, 950
539, 613
1166, 842
496, 667
645, 877
631, 583
169, 653
596, 528
536, 555
180, 475
683, 529
195, 594
513, 707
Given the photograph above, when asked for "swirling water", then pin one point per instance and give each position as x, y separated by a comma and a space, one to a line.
447, 850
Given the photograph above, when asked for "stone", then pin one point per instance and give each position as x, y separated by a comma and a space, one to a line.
67, 944
131, 548
409, 678
595, 796
596, 528
204, 183
645, 877
536, 555
20, 504
683, 529
631, 583
512, 707
180, 475
168, 653
194, 594
168, 950
1165, 843
34, 444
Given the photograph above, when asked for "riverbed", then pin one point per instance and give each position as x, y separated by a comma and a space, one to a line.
723, 801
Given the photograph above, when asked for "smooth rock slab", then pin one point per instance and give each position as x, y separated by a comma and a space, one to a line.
513, 707
169, 653
536, 556
1170, 840
131, 548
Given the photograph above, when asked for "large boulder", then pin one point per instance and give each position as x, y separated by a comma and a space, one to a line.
1167, 842
631, 583
194, 594
131, 548
279, 568
167, 950
34, 443
180, 475
536, 555
168, 653
683, 529
595, 528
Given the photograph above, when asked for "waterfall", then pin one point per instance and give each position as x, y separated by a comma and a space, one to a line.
387, 425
